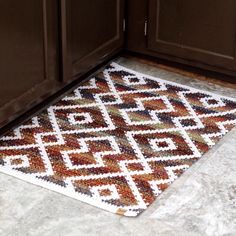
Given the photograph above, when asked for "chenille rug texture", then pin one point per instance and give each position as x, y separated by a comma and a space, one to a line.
118, 140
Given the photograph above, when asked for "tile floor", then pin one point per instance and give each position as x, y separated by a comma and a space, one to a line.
201, 202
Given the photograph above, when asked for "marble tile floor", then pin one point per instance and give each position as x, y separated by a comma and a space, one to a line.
201, 202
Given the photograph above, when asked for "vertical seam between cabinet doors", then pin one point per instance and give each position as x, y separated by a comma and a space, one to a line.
45, 36
63, 41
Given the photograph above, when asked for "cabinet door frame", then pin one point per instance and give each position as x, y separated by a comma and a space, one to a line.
66, 60
183, 51
38, 92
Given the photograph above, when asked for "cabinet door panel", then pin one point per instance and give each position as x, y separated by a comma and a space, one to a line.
28, 58
210, 25
203, 30
92, 29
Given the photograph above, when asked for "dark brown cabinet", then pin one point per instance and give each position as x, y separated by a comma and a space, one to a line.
200, 33
28, 54
92, 30
44, 44
203, 30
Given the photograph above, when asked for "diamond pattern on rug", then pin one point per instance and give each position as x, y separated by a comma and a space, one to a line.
118, 140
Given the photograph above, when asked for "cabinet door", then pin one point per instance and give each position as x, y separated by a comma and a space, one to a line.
28, 54
91, 31
203, 30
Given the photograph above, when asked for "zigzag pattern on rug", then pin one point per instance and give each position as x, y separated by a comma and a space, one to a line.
118, 140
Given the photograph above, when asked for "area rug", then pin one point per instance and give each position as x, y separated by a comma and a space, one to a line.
118, 140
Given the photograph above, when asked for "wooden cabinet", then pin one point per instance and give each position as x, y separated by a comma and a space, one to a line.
44, 44
203, 30
200, 33
92, 30
28, 54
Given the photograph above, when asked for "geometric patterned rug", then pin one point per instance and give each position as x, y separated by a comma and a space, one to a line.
118, 140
